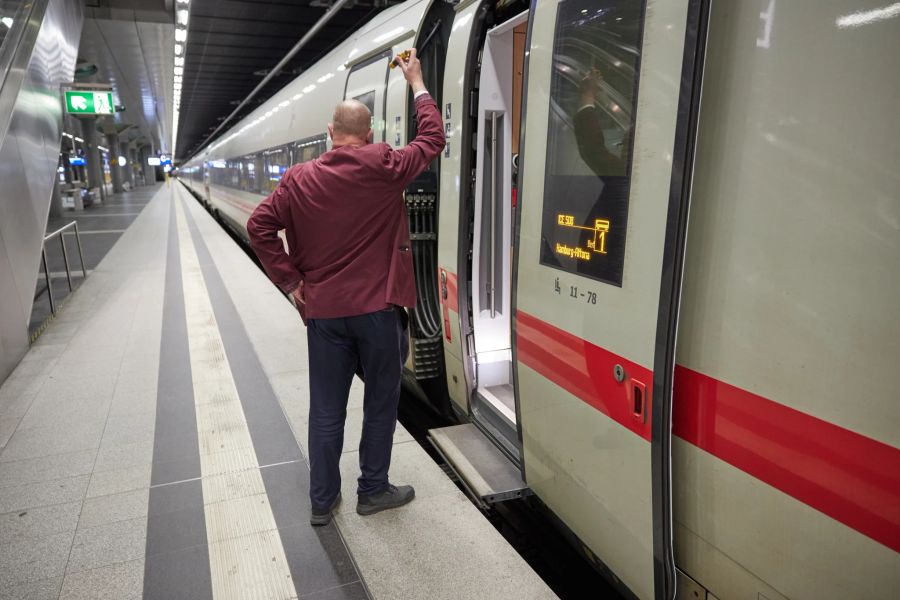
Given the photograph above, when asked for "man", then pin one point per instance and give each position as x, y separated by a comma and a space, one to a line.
588, 129
349, 272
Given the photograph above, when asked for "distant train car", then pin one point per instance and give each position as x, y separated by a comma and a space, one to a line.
619, 176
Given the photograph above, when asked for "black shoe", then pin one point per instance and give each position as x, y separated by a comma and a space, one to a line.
319, 519
392, 497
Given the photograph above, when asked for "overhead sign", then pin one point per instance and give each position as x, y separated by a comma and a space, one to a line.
153, 161
89, 103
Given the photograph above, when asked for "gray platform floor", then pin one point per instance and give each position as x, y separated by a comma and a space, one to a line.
152, 444
100, 226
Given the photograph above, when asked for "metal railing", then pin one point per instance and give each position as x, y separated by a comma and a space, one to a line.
62, 242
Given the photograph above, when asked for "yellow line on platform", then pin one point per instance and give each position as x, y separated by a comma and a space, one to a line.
246, 556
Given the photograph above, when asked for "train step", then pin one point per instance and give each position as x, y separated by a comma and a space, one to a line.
487, 475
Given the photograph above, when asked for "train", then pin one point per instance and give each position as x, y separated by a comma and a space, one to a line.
658, 271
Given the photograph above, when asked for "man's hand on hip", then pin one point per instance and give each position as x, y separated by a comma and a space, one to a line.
412, 70
297, 296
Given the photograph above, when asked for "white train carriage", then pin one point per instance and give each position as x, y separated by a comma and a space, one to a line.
620, 176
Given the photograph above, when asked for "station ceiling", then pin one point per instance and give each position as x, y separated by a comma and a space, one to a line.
128, 44
232, 44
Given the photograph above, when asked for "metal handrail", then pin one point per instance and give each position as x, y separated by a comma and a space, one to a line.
493, 249
59, 232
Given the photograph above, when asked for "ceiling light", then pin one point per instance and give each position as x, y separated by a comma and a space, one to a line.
179, 61
867, 17
179, 70
179, 48
180, 34
182, 16
183, 1
7, 21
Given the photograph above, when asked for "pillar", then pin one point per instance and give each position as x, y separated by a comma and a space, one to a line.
127, 170
134, 164
92, 155
149, 171
112, 141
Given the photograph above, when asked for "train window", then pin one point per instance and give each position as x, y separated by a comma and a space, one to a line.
260, 173
369, 100
216, 170
309, 148
250, 176
233, 174
593, 98
277, 161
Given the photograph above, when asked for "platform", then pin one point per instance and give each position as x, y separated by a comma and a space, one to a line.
100, 226
153, 445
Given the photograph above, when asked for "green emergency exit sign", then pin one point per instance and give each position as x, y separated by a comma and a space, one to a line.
89, 103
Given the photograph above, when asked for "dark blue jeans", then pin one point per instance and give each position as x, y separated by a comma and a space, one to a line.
378, 344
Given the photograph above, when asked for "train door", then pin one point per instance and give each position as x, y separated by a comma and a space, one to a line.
606, 155
499, 98
367, 82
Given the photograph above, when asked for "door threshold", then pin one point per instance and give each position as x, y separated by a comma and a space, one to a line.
487, 475
502, 398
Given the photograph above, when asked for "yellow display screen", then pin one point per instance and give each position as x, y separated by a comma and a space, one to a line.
594, 245
590, 244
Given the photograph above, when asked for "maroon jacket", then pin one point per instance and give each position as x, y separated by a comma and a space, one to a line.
346, 225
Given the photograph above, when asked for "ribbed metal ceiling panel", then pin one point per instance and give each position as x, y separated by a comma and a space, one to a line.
232, 44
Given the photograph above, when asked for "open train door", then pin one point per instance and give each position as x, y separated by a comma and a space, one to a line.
612, 92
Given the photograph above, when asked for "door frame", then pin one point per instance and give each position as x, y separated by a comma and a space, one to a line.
680, 187
469, 154
517, 227
507, 436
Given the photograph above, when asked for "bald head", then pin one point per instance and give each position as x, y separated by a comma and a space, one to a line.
352, 119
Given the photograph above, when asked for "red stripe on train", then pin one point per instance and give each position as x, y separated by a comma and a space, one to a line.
451, 302
238, 204
583, 369
847, 476
850, 477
